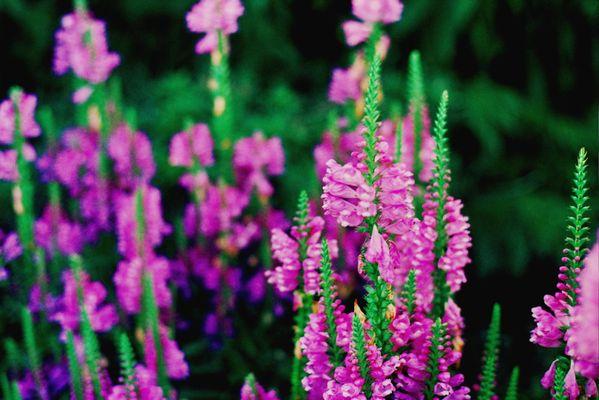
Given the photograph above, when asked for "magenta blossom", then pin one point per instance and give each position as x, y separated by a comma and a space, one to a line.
145, 387
176, 366
211, 17
53, 231
256, 157
27, 125
101, 317
255, 391
132, 155
192, 146
8, 162
370, 12
128, 282
81, 47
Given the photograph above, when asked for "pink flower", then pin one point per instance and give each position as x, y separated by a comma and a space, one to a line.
427, 146
132, 155
102, 317
129, 284
176, 366
145, 387
314, 346
285, 250
385, 11
8, 162
81, 47
356, 32
345, 85
256, 392
220, 207
154, 229
256, 157
191, 146
378, 252
570, 384
582, 338
395, 196
210, 17
346, 195
27, 125
53, 231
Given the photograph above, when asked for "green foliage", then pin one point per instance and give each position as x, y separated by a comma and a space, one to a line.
372, 117
329, 294
487, 383
408, 293
417, 103
127, 358
435, 355
151, 325
512, 388
359, 346
440, 183
74, 371
559, 382
578, 229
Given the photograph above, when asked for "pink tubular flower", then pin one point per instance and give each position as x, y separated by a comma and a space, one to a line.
27, 125
102, 317
176, 366
385, 11
345, 85
53, 231
132, 155
314, 346
155, 228
427, 146
346, 195
395, 196
145, 387
254, 158
571, 386
8, 162
211, 17
378, 252
347, 383
582, 338
285, 250
128, 282
81, 47
255, 391
220, 207
190, 146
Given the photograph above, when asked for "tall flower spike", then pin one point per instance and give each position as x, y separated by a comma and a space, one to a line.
32, 352
127, 364
74, 368
359, 347
512, 388
417, 104
435, 356
578, 229
487, 384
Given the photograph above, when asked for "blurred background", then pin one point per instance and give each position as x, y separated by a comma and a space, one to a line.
522, 77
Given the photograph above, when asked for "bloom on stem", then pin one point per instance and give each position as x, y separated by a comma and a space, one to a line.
176, 366
194, 144
370, 12
27, 125
211, 17
132, 155
81, 46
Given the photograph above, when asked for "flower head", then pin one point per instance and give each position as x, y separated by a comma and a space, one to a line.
190, 146
26, 110
211, 17
132, 155
81, 46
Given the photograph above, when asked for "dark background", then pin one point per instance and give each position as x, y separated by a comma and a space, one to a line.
522, 77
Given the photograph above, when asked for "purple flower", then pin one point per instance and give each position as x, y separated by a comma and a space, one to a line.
314, 346
385, 11
155, 228
102, 317
128, 282
132, 155
145, 387
176, 366
81, 47
345, 85
255, 391
256, 157
211, 17
571, 386
27, 125
191, 146
53, 231
582, 338
346, 195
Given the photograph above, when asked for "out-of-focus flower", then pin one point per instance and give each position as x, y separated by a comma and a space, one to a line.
192, 145
144, 388
132, 155
256, 157
53, 231
176, 366
81, 46
128, 282
27, 125
211, 17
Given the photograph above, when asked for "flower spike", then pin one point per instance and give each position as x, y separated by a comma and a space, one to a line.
487, 384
